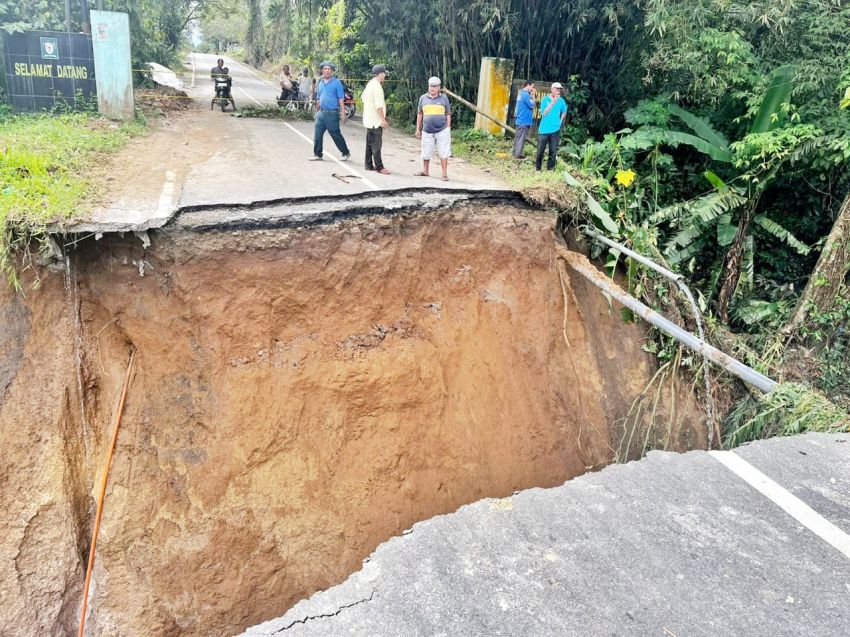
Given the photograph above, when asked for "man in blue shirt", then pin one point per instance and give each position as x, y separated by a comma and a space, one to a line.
553, 110
330, 111
524, 117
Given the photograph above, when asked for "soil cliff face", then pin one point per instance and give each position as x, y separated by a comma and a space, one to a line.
299, 397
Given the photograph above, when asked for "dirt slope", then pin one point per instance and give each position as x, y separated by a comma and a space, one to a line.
300, 396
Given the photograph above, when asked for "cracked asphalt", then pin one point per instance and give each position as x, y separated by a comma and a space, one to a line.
208, 158
673, 545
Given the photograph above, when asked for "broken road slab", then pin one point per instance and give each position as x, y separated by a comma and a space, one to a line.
670, 545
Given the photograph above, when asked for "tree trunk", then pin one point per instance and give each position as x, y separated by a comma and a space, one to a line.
829, 278
310, 18
732, 264
254, 37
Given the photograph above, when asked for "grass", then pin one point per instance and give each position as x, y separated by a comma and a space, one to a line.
44, 160
789, 409
546, 188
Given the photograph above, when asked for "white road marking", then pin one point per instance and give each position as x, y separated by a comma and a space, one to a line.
345, 165
165, 206
340, 162
785, 500
249, 96
259, 77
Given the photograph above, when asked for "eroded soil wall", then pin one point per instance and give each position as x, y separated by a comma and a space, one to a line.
300, 396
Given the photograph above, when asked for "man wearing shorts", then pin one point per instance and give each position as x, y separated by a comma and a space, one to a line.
434, 127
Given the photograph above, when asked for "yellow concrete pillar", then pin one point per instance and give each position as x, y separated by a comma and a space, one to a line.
494, 93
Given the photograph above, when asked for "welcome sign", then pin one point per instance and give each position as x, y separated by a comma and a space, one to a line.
46, 67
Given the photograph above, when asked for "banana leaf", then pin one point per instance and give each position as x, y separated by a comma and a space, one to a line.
779, 92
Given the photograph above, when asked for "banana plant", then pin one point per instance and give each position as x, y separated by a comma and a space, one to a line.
726, 213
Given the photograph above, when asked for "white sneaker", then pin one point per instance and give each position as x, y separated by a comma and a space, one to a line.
345, 157
315, 158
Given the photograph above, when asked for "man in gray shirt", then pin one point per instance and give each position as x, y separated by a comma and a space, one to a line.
434, 127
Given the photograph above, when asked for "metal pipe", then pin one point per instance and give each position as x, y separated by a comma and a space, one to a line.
679, 280
580, 264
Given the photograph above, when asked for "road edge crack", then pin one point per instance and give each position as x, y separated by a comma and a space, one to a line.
326, 615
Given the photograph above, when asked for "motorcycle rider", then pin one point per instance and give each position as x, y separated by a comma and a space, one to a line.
221, 72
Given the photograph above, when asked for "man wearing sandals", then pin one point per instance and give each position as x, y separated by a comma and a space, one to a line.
375, 119
434, 127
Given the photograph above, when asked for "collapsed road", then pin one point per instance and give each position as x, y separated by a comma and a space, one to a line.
305, 388
318, 366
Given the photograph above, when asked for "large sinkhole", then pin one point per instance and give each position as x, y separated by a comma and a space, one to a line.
300, 396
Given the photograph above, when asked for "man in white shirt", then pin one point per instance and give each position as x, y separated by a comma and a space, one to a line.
305, 86
285, 83
375, 118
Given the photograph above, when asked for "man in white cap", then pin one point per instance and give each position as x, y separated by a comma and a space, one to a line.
375, 119
553, 112
434, 127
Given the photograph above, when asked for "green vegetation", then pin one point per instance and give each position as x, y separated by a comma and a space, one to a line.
44, 163
711, 135
789, 409
272, 112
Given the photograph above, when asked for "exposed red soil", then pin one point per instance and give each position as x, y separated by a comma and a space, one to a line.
300, 397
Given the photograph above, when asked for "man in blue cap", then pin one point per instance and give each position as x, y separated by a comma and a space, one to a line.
330, 107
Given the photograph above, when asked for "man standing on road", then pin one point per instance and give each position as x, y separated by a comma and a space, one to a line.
434, 127
285, 82
330, 111
524, 117
375, 118
553, 110
305, 86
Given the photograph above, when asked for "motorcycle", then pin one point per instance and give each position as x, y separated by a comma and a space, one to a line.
288, 99
223, 95
349, 102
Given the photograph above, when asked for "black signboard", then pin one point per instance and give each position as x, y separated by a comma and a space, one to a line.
46, 67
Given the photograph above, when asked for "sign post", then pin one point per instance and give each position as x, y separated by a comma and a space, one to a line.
46, 68
111, 40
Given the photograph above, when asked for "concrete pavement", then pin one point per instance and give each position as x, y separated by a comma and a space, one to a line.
700, 544
218, 159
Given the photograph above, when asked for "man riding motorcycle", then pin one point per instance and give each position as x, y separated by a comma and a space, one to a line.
220, 74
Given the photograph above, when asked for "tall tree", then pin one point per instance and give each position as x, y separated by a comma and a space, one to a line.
254, 45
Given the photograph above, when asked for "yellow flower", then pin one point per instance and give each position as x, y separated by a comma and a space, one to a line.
626, 177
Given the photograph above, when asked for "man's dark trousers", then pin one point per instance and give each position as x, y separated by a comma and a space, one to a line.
328, 121
551, 140
374, 141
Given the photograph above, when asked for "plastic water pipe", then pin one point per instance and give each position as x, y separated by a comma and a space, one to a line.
679, 280
580, 264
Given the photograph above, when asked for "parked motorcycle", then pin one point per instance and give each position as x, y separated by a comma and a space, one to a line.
288, 99
349, 103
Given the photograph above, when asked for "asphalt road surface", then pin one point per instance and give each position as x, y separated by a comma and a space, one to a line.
752, 542
205, 157
269, 145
